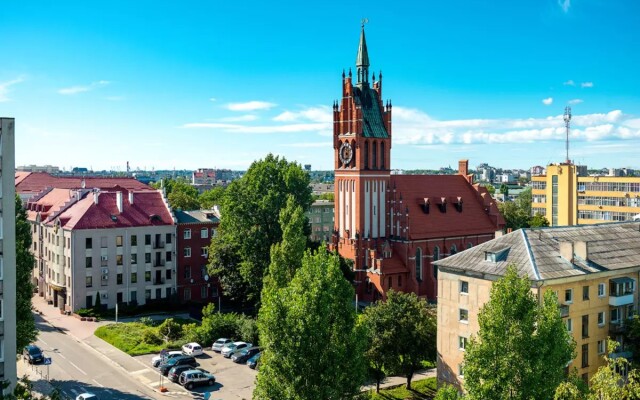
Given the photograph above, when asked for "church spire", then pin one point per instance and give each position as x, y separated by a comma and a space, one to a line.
362, 60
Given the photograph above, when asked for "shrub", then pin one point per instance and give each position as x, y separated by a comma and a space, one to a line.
146, 321
247, 329
170, 330
218, 325
151, 336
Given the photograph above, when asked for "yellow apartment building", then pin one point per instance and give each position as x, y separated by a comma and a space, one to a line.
592, 268
566, 196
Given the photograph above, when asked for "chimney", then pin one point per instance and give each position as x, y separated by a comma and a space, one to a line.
463, 167
96, 193
119, 201
581, 249
130, 197
566, 251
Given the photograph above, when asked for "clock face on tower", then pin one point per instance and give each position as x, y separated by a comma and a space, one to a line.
346, 153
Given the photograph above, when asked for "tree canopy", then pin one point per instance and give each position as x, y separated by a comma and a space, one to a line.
211, 197
249, 226
26, 331
180, 193
517, 213
522, 347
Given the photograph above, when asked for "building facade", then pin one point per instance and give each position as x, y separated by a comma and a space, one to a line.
7, 254
195, 230
102, 246
394, 226
592, 269
566, 196
321, 220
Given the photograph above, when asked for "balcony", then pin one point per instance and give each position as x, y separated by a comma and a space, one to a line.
621, 300
621, 291
618, 327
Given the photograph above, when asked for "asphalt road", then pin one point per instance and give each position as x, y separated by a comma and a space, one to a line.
77, 368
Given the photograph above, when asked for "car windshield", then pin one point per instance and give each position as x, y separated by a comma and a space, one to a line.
221, 341
34, 350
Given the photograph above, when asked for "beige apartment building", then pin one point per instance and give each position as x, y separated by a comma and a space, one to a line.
7, 254
593, 269
115, 244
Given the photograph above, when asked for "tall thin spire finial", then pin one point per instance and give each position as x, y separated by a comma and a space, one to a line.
567, 123
364, 21
362, 59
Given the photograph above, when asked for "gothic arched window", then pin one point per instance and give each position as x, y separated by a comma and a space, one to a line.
436, 257
374, 153
453, 250
419, 264
366, 155
382, 155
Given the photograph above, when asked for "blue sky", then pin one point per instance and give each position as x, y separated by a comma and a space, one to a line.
191, 84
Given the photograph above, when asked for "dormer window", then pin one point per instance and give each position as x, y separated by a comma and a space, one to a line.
442, 205
496, 255
425, 205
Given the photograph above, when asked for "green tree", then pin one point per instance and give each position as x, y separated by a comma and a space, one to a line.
250, 224
490, 188
504, 190
522, 347
26, 331
183, 196
312, 345
211, 197
538, 221
448, 392
608, 384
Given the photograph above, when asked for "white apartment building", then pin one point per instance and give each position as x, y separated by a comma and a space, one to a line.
114, 244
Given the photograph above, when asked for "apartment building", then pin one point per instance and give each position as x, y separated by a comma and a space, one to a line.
566, 196
7, 254
117, 246
593, 269
195, 229
321, 219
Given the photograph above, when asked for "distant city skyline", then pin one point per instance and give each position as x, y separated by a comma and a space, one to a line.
204, 85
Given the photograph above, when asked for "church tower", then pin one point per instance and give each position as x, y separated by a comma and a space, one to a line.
362, 149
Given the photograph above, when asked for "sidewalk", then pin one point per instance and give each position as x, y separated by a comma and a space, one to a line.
37, 375
401, 380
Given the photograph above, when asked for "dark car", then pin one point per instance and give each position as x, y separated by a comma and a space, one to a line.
177, 361
253, 361
241, 356
174, 372
33, 354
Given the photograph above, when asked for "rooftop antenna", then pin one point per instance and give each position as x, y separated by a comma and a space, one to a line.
567, 124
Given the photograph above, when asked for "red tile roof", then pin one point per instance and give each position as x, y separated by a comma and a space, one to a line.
35, 182
474, 218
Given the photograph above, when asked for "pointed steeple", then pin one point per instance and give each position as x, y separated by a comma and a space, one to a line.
362, 60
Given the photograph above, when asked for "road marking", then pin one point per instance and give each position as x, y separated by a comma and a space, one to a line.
138, 372
78, 368
45, 343
60, 354
98, 383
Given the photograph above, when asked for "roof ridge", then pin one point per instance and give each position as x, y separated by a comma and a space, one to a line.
532, 260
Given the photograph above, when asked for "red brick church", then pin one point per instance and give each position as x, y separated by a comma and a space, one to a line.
394, 226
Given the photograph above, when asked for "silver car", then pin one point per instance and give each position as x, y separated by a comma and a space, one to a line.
228, 350
219, 344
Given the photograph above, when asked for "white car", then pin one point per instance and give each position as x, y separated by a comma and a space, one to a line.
231, 347
155, 361
219, 344
192, 349
87, 396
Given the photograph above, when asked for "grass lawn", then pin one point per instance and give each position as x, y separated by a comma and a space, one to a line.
421, 389
128, 337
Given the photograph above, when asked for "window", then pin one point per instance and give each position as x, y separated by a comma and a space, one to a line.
168, 256
168, 274
119, 279
203, 271
214, 232
134, 240
187, 272
601, 290
88, 243
134, 258
399, 280
585, 355
453, 250
464, 287
134, 297
601, 346
187, 252
89, 281
147, 258
601, 320
204, 233
147, 276
168, 238
187, 294
147, 294
134, 277
88, 262
585, 326
119, 241
585, 293
187, 233
119, 259
464, 315
390, 282
436, 257
419, 264
615, 315
569, 325
204, 251
147, 240
462, 342
568, 296
203, 292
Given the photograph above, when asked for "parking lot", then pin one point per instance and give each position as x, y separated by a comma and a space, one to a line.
233, 381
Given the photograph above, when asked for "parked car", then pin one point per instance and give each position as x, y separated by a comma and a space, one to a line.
242, 355
155, 361
219, 344
192, 349
231, 347
253, 361
87, 396
196, 377
175, 361
174, 372
33, 354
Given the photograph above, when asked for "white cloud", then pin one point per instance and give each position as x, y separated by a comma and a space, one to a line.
547, 101
237, 128
576, 101
213, 99
324, 145
313, 114
115, 98
250, 106
564, 4
4, 88
586, 84
570, 82
240, 118
81, 89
